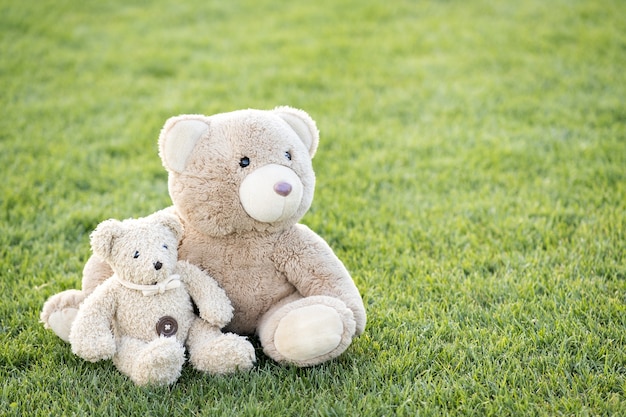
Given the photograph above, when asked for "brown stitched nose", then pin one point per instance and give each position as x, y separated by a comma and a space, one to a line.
282, 188
158, 265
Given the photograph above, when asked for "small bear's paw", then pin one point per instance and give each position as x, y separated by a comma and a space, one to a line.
225, 354
95, 348
159, 363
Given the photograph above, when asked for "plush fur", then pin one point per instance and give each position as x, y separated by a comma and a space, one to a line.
130, 317
240, 182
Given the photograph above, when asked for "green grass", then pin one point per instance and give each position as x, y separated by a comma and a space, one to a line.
471, 175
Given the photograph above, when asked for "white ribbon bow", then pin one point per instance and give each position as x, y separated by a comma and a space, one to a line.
173, 281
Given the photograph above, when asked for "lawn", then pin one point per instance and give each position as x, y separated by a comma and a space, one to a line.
471, 175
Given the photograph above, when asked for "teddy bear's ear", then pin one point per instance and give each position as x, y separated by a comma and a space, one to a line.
302, 124
103, 237
172, 222
178, 139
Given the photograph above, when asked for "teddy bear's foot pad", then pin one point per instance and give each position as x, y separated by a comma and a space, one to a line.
61, 322
309, 332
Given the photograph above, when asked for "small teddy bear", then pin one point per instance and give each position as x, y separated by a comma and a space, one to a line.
142, 316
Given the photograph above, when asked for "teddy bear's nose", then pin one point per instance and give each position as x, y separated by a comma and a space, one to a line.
282, 188
157, 265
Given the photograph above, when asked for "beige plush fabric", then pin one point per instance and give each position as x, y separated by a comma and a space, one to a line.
240, 182
142, 315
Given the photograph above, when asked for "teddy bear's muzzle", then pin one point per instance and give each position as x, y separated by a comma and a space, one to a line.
271, 193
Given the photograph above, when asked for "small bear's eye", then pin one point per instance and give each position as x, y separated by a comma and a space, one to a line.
165, 247
244, 162
288, 155
136, 255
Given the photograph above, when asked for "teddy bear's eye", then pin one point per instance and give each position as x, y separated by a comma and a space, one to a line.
244, 162
288, 155
165, 247
136, 255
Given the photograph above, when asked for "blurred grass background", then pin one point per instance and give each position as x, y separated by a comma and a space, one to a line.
471, 175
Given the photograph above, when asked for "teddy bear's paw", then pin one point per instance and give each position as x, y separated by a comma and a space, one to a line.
59, 311
308, 332
311, 331
159, 363
92, 349
61, 322
225, 354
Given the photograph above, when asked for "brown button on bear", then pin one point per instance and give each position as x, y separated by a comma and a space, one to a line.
167, 326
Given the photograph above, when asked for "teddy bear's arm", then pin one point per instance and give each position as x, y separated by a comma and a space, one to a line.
313, 268
212, 302
91, 336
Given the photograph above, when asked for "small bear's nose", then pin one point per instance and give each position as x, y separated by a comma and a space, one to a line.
157, 265
282, 188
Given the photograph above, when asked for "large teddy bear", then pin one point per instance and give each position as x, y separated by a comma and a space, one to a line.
142, 316
240, 182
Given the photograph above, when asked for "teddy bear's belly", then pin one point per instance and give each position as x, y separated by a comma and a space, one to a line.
251, 296
252, 290
138, 315
245, 270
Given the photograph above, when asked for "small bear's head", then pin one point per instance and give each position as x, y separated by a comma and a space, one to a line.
247, 170
142, 251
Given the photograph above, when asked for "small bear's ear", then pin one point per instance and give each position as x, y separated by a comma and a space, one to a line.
172, 222
103, 237
302, 124
178, 138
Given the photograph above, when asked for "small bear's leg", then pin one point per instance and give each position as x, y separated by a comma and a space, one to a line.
215, 352
158, 362
307, 331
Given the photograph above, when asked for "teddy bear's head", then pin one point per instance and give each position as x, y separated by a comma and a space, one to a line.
142, 251
247, 170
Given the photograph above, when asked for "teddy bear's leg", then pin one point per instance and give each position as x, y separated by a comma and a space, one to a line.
307, 331
155, 363
59, 310
215, 352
